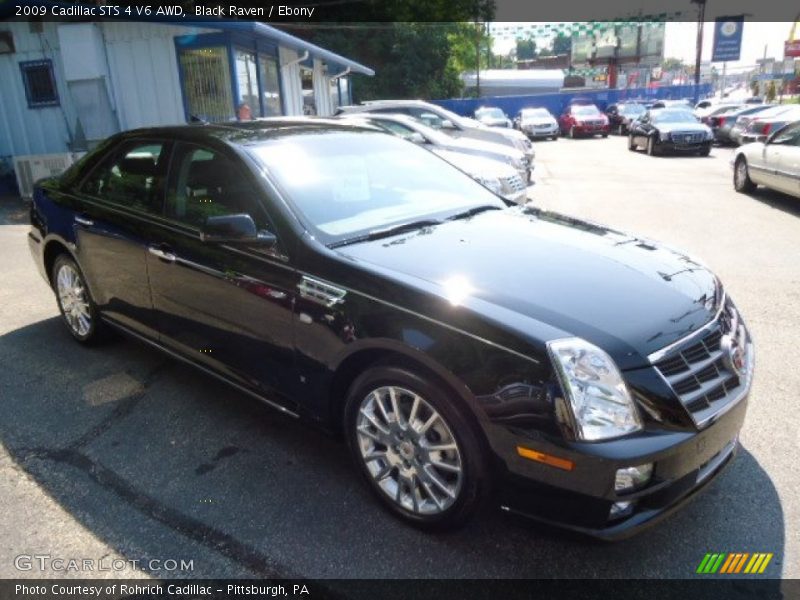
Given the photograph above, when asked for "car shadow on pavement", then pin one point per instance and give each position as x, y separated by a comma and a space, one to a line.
158, 460
778, 200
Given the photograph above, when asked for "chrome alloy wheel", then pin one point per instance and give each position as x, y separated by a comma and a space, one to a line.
409, 450
74, 300
741, 174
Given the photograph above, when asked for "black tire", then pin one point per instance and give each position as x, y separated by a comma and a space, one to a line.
704, 152
605, 135
96, 331
742, 184
651, 146
572, 133
620, 129
475, 475
631, 144
555, 138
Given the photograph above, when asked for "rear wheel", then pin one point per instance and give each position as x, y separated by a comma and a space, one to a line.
77, 308
741, 177
631, 143
418, 453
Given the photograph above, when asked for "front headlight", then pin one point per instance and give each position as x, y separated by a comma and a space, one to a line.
601, 404
493, 183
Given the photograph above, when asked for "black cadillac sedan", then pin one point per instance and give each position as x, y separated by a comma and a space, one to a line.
351, 279
675, 130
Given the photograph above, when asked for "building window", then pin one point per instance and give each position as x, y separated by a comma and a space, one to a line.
247, 80
307, 84
40, 84
270, 86
207, 83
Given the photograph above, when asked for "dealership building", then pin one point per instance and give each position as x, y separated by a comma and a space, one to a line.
66, 86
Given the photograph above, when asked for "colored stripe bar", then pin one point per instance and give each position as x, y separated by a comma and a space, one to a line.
718, 563
702, 567
765, 563
729, 563
741, 563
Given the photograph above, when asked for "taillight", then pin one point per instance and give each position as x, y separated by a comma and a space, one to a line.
765, 128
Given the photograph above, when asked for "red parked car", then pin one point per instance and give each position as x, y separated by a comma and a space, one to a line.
583, 119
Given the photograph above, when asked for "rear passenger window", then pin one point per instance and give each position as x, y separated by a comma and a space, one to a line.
133, 178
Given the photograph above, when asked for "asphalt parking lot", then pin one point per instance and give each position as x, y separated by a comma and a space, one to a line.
120, 452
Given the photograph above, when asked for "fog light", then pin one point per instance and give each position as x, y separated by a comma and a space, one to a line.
620, 509
631, 478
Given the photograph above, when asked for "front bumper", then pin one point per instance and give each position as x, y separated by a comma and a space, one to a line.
670, 146
581, 499
541, 132
592, 129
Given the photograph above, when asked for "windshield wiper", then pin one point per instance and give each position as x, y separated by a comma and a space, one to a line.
387, 232
473, 211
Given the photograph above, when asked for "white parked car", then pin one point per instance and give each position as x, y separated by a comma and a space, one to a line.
416, 131
774, 163
492, 117
537, 123
450, 123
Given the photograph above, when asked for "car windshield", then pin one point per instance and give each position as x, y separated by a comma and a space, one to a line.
347, 184
494, 113
535, 113
585, 110
673, 116
631, 109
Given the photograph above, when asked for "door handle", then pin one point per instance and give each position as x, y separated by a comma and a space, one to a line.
83, 221
162, 254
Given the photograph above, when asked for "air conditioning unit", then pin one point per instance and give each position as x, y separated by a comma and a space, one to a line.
29, 169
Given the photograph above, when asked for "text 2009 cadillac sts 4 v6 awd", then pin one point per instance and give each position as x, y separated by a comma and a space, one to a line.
463, 346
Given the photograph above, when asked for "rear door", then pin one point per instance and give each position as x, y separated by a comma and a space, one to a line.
121, 203
225, 306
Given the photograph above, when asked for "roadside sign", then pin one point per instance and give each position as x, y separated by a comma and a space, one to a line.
727, 38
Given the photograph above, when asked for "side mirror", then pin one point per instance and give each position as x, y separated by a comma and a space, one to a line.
416, 137
229, 229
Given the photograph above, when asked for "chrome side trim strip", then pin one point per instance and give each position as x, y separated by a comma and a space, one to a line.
206, 370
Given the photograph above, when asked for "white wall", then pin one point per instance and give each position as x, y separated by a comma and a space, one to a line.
26, 130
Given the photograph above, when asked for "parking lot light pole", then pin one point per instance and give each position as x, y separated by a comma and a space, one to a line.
701, 17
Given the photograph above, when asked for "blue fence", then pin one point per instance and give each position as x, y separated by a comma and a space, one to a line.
556, 103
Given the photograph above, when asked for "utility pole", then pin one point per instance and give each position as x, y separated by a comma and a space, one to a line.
701, 17
477, 59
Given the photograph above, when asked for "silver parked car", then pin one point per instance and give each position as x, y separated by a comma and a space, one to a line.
743, 122
474, 157
450, 123
537, 123
774, 163
492, 117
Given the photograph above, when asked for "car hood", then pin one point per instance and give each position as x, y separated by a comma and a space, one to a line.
687, 126
476, 165
538, 121
525, 270
481, 147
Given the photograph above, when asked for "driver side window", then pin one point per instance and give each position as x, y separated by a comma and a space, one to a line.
790, 136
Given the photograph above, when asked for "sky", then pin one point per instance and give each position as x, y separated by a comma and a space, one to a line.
680, 39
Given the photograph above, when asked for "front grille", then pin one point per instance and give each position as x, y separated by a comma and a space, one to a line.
687, 137
512, 184
702, 370
594, 123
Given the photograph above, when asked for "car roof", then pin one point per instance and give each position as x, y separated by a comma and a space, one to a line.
245, 132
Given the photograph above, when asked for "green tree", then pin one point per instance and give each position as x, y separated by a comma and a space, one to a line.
771, 91
672, 64
562, 44
526, 49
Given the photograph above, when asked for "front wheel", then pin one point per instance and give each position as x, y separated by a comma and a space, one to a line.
418, 453
572, 133
651, 146
705, 152
75, 303
631, 144
741, 177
